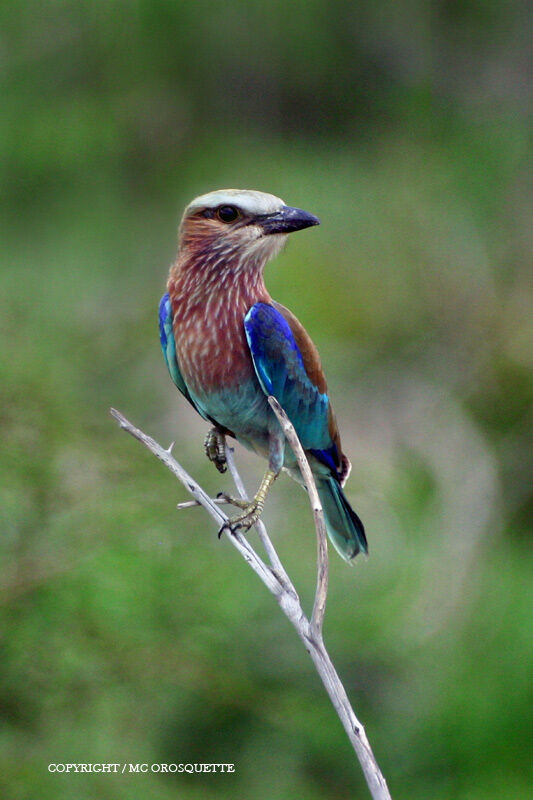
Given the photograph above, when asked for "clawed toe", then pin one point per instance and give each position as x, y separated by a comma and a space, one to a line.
250, 515
244, 521
215, 449
232, 525
225, 526
234, 501
251, 510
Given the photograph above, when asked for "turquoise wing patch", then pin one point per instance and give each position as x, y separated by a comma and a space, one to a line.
168, 345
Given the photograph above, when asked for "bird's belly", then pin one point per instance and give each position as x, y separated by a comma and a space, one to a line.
242, 409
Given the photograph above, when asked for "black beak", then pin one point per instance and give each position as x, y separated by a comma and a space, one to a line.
287, 220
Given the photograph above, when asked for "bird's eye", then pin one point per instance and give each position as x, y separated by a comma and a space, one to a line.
228, 213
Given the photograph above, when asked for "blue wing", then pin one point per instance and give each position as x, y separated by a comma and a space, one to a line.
168, 345
288, 367
280, 369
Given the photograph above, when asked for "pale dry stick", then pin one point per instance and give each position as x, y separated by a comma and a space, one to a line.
289, 603
324, 665
237, 540
219, 501
270, 550
322, 564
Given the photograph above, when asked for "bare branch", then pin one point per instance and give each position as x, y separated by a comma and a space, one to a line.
281, 587
219, 501
236, 539
319, 608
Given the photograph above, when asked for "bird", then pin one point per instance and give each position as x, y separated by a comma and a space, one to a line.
229, 346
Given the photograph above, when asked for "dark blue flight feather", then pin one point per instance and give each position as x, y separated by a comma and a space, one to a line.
279, 366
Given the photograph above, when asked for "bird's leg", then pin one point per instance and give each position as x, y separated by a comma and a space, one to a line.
215, 448
251, 510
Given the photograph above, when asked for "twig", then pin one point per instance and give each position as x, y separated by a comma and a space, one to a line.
236, 539
321, 594
219, 501
279, 584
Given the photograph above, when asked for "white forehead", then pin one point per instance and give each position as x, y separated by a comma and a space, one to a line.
248, 200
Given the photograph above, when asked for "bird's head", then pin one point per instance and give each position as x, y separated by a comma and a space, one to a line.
239, 224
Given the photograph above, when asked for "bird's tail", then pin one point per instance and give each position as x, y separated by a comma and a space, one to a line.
344, 527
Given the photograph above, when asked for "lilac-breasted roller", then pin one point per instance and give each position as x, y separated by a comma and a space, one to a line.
228, 346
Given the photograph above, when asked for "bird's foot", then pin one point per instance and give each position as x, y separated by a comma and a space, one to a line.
252, 510
215, 449
251, 513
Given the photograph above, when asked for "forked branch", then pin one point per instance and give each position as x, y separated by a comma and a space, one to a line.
278, 582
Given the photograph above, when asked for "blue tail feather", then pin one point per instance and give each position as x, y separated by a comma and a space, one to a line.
345, 529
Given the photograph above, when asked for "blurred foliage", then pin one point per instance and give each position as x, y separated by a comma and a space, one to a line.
130, 633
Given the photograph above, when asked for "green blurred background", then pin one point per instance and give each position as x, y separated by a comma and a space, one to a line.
129, 632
